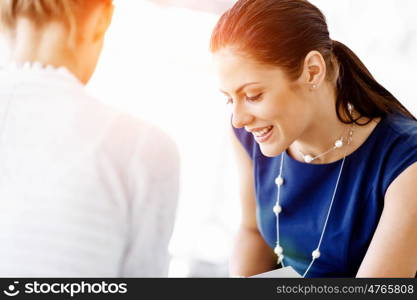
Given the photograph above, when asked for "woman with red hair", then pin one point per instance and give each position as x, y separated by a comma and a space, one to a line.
328, 156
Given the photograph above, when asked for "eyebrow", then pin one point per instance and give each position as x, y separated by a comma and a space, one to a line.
241, 87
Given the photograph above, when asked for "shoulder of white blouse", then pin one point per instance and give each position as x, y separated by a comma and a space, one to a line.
37, 68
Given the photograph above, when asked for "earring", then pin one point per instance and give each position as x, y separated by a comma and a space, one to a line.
350, 107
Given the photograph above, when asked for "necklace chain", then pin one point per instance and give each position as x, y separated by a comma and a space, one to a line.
277, 209
339, 143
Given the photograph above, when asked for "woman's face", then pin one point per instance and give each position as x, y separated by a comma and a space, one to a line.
267, 104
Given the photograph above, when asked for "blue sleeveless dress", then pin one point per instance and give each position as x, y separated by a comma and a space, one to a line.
306, 194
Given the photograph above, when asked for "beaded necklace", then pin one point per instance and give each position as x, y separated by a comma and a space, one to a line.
277, 209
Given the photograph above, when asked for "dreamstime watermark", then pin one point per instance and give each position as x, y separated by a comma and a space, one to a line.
72, 289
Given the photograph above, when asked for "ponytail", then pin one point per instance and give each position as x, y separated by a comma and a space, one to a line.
357, 86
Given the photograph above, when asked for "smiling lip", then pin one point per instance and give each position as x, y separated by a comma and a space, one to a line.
265, 137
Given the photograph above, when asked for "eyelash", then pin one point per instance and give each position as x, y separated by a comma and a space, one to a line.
250, 99
254, 98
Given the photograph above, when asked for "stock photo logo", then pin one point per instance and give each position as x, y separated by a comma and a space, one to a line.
11, 290
65, 288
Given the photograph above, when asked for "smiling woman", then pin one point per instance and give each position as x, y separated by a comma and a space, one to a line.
265, 92
328, 155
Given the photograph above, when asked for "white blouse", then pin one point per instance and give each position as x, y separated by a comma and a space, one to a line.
85, 191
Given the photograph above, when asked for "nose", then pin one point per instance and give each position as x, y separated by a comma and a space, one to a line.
240, 117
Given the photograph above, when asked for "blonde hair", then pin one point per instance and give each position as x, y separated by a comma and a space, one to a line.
43, 11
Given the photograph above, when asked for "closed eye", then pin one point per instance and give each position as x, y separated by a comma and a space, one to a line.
254, 98
247, 98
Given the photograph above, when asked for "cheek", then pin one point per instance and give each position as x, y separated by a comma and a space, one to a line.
289, 118
281, 109
291, 104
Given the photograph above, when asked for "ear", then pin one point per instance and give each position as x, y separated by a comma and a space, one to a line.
314, 70
102, 20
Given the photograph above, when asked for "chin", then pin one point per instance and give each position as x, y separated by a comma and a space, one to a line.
271, 150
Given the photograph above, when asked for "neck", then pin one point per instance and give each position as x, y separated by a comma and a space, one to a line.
323, 130
48, 46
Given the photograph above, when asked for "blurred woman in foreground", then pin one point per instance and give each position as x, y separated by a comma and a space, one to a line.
85, 191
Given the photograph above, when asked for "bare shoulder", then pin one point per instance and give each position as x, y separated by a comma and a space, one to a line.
402, 191
401, 197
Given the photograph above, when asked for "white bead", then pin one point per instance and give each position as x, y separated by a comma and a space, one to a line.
278, 250
308, 158
280, 258
277, 209
316, 254
279, 180
37, 65
26, 65
338, 143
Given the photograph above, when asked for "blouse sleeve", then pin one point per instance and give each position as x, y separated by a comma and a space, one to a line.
153, 186
400, 154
